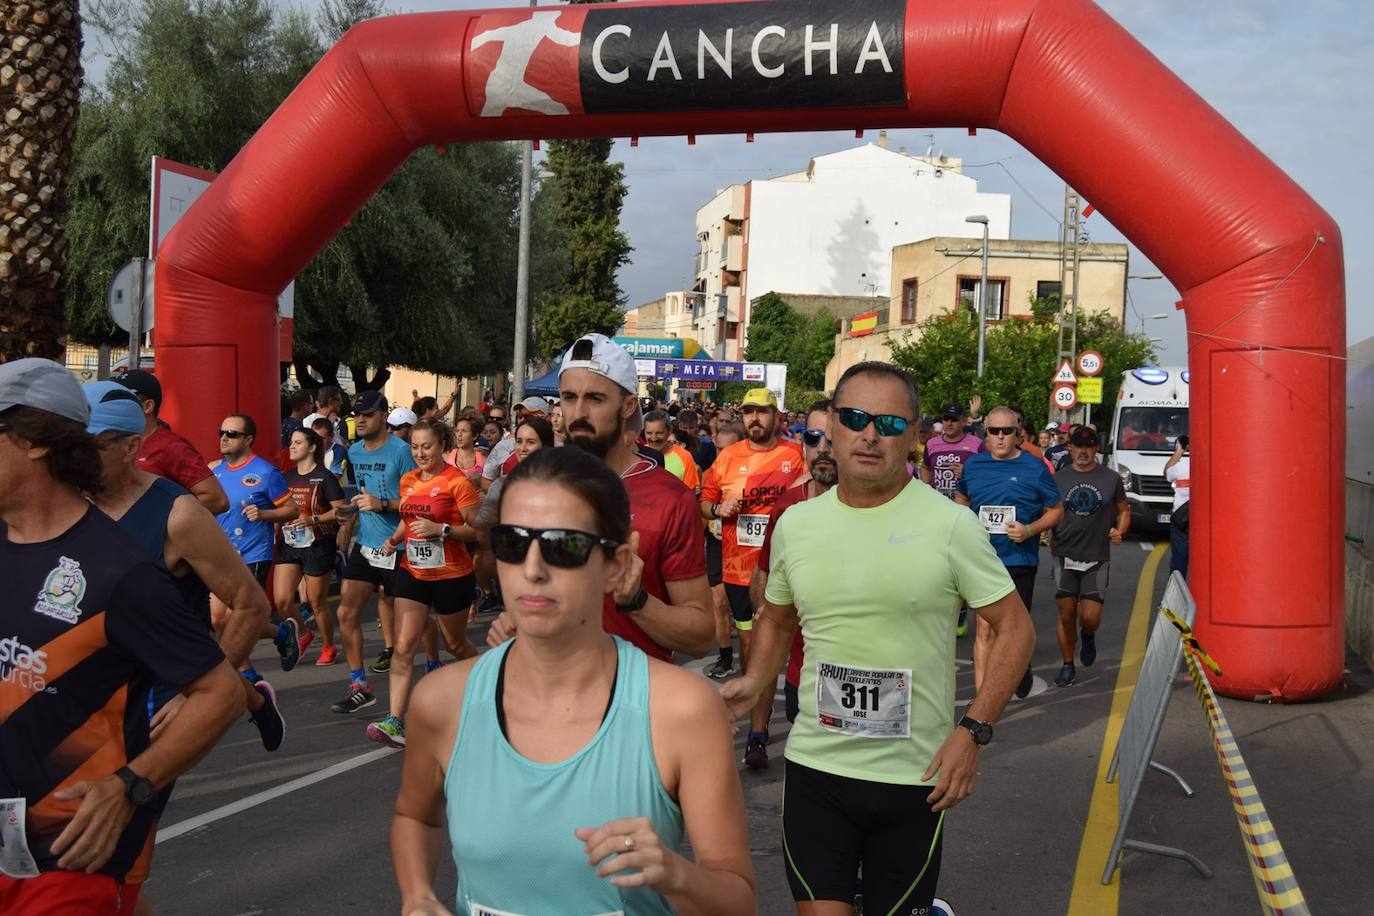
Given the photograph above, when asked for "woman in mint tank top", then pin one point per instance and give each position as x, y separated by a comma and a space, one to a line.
568, 767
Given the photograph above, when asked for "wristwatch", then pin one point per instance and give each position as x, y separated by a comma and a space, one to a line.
137, 789
640, 599
982, 731
446, 531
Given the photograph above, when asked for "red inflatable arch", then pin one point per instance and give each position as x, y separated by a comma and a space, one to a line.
1259, 263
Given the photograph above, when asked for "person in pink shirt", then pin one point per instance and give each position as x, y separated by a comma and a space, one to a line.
943, 462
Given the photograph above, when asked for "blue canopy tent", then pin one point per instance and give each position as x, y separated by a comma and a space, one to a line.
546, 386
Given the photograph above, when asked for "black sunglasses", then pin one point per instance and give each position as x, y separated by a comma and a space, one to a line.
813, 437
396, 428
885, 423
231, 434
561, 547
1003, 430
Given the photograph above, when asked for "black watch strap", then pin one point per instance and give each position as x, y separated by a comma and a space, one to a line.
981, 731
640, 599
137, 789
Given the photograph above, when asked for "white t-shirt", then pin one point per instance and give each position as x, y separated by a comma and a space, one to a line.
497, 457
1178, 476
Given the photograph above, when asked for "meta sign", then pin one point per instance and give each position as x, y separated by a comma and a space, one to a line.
693, 57
701, 369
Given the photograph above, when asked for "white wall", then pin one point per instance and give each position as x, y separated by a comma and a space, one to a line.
819, 236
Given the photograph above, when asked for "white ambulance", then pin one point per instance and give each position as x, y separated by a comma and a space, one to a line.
1151, 414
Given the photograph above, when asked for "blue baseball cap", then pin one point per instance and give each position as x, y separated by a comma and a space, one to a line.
113, 407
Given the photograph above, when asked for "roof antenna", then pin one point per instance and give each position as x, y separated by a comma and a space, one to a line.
930, 147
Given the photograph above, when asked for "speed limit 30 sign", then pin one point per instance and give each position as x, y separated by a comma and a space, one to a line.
1089, 363
1064, 397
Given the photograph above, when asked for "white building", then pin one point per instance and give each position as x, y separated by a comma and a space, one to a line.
828, 230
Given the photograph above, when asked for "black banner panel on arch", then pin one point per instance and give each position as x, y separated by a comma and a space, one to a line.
734, 56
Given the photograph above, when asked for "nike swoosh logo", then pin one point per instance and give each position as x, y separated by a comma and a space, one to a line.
893, 539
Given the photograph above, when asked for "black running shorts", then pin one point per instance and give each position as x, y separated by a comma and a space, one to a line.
741, 608
714, 573
446, 596
358, 569
1086, 585
833, 825
315, 560
1023, 577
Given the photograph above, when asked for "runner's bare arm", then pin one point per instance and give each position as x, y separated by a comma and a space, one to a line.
925, 474
695, 757
213, 702
211, 495
196, 539
1013, 641
757, 583
684, 623
961, 499
772, 641
1123, 521
417, 827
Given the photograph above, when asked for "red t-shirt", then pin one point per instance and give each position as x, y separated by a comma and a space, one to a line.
166, 454
668, 519
441, 498
790, 497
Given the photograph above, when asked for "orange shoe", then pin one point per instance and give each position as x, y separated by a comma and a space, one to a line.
328, 656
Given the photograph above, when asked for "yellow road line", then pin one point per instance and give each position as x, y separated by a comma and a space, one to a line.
1090, 897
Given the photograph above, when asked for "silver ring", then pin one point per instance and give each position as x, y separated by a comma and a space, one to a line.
629, 842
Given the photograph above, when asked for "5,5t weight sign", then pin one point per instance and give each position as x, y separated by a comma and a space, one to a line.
1064, 397
1090, 363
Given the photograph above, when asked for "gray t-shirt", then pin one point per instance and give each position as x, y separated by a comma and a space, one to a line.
1090, 500
498, 455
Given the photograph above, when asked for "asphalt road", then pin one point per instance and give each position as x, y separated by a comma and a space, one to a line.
304, 830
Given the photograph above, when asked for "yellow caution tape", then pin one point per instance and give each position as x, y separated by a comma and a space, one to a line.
1277, 886
1189, 640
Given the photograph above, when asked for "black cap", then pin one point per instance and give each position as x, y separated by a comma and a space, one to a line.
1084, 436
144, 384
369, 402
955, 411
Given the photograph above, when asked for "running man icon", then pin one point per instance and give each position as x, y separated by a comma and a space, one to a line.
506, 87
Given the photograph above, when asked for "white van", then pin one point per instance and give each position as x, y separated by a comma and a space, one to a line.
1151, 413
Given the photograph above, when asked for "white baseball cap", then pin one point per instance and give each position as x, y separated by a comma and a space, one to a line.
534, 403
401, 416
598, 353
309, 421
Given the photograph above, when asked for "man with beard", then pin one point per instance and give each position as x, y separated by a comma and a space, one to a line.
662, 604
815, 438
740, 489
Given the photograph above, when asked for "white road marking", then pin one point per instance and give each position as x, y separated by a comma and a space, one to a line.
286, 788
1147, 546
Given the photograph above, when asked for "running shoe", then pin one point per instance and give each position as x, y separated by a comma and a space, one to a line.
390, 731
490, 604
433, 664
268, 718
962, 628
1066, 675
1087, 649
308, 615
306, 640
756, 751
328, 656
359, 697
721, 670
383, 663
1023, 689
288, 643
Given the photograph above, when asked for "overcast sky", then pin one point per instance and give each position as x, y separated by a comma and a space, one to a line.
1296, 79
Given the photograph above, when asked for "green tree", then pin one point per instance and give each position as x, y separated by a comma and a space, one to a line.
424, 274
1021, 356
778, 334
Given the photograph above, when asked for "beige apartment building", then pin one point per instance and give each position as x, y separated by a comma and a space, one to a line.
937, 275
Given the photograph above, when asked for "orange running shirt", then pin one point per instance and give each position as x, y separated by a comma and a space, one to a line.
756, 479
442, 498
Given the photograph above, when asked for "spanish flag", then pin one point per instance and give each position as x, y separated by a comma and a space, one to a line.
863, 325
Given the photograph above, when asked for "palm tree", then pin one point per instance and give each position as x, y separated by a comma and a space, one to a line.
40, 91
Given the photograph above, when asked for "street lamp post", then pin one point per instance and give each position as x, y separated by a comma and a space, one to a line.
982, 293
522, 274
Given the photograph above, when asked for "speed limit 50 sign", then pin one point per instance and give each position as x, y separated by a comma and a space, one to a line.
1089, 363
1064, 397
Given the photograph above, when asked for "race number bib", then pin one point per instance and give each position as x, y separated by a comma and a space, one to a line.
995, 518
864, 702
750, 529
426, 554
1078, 565
298, 536
373, 555
15, 859
477, 909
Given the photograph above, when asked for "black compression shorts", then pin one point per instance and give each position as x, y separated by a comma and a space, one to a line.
446, 596
741, 608
714, 573
832, 825
357, 568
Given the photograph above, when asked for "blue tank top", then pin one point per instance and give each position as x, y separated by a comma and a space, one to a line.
511, 820
146, 521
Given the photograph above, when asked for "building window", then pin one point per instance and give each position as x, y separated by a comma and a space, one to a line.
1047, 289
908, 301
997, 299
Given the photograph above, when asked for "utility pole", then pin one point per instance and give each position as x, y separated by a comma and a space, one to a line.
1068, 277
982, 294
